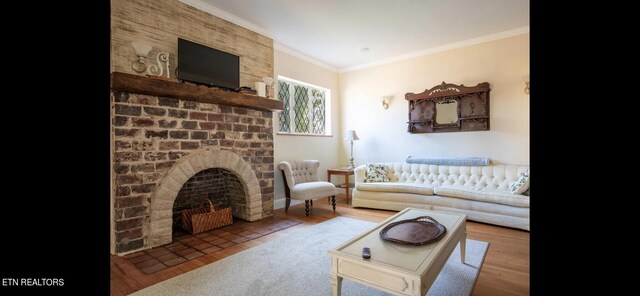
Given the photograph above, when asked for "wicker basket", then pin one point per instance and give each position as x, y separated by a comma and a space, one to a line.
205, 218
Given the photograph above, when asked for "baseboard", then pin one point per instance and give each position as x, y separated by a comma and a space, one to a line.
279, 203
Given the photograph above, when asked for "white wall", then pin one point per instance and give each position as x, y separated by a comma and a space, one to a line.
383, 133
287, 147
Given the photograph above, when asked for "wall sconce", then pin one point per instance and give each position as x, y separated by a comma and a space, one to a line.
140, 65
526, 82
385, 102
142, 51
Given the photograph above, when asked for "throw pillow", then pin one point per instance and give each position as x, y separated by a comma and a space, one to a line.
521, 185
376, 173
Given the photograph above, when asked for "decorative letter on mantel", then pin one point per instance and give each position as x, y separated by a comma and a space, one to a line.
449, 108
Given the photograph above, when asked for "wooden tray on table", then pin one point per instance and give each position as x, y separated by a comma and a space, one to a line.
417, 231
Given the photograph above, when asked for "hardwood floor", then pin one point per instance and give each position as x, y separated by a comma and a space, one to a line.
505, 270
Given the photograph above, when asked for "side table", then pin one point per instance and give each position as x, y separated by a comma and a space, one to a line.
344, 172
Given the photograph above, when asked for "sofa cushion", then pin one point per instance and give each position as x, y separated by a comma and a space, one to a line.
521, 185
376, 173
483, 194
398, 187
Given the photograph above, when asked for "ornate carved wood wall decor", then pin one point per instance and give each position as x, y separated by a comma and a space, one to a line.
461, 108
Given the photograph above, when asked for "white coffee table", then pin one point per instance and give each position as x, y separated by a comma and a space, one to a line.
394, 268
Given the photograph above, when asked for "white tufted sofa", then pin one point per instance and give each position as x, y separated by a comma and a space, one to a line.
480, 192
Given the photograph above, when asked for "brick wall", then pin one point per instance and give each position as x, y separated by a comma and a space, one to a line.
151, 133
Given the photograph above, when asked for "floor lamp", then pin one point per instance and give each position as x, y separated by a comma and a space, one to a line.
351, 136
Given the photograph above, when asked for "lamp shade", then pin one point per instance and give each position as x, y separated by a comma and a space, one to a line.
142, 49
351, 136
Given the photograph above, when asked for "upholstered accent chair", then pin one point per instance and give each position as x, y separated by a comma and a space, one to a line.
301, 181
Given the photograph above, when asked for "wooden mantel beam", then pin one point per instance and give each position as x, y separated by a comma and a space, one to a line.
164, 88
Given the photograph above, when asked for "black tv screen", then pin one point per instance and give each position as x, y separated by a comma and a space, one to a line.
205, 65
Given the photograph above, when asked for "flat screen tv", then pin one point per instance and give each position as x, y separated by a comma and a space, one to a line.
205, 65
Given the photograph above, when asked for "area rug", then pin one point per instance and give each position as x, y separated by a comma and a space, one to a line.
298, 264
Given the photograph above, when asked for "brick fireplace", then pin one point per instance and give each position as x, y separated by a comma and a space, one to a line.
160, 142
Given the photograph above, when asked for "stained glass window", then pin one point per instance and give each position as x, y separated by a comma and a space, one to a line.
283, 95
318, 111
301, 109
304, 108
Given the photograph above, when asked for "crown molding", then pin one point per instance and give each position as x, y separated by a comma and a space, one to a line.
302, 56
450, 46
208, 8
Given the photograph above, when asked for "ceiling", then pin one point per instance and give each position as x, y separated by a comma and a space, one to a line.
336, 32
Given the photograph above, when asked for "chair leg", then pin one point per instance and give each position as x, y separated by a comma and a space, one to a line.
306, 207
311, 202
286, 204
333, 202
